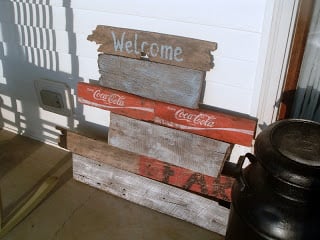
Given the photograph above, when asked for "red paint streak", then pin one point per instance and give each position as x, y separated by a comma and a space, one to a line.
219, 188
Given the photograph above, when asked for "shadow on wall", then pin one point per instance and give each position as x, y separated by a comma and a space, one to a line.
28, 51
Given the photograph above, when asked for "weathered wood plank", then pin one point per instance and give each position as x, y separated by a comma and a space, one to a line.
219, 188
212, 123
215, 187
116, 101
197, 153
209, 122
156, 81
152, 194
161, 48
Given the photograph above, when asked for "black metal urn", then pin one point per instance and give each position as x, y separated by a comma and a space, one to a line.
277, 196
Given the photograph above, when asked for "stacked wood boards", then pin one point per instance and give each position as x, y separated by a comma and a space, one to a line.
101, 151
163, 198
158, 135
146, 181
205, 121
194, 152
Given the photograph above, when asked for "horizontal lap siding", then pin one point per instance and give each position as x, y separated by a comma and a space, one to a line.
49, 40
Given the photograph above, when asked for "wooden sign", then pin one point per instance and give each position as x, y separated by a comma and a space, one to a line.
149, 193
97, 150
197, 153
208, 122
156, 47
116, 101
155, 81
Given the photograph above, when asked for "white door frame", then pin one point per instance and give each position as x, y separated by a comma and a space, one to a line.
278, 29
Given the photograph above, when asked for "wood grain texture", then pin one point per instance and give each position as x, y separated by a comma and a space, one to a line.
152, 80
97, 150
214, 187
161, 48
101, 151
197, 153
116, 101
152, 194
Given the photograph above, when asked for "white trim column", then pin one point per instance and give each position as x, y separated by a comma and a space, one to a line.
273, 60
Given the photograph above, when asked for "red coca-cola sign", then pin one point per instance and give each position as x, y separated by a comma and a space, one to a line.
115, 99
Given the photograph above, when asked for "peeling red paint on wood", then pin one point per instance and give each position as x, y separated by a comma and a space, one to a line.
219, 187
208, 123
228, 127
116, 101
97, 150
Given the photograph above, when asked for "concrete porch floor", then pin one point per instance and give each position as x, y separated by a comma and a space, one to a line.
74, 210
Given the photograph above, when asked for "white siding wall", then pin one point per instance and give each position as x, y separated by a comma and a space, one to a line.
47, 39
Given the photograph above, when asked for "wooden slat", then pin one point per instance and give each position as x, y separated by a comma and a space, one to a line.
152, 194
152, 80
218, 188
197, 153
212, 123
116, 101
215, 187
209, 122
161, 48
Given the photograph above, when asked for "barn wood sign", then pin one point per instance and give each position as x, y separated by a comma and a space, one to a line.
156, 47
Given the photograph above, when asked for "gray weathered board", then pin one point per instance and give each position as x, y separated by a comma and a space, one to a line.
152, 194
156, 81
99, 150
194, 152
161, 48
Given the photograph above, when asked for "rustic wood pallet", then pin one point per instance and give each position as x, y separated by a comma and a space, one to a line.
161, 48
98, 150
194, 152
152, 194
205, 121
155, 81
